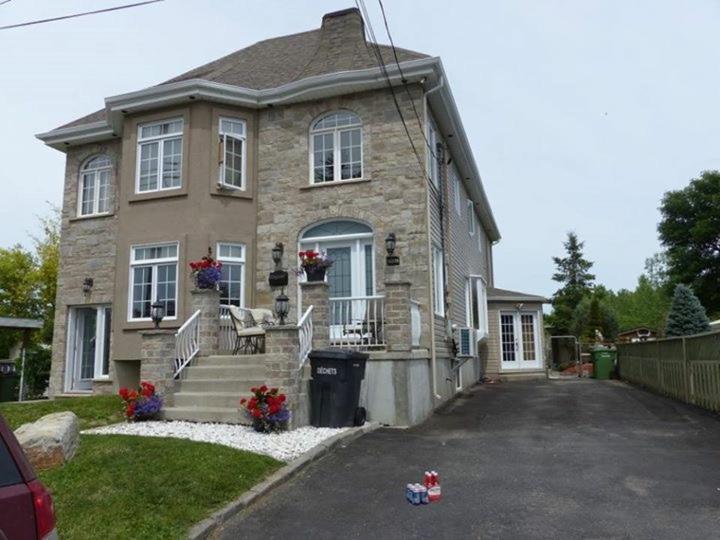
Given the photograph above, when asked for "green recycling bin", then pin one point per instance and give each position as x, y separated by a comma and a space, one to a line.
603, 363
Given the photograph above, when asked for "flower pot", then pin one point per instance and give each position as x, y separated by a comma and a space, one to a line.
315, 273
261, 426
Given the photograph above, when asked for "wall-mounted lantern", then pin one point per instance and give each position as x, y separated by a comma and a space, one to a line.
278, 277
88, 283
282, 307
390, 243
157, 313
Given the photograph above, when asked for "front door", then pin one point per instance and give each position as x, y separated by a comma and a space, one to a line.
519, 341
89, 346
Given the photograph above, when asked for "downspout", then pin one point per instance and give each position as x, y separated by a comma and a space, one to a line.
428, 218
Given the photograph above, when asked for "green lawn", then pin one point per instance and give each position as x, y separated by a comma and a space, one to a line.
123, 486
93, 410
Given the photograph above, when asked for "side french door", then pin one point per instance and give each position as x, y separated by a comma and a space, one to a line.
88, 346
519, 340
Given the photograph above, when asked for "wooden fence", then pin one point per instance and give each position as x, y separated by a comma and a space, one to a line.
684, 368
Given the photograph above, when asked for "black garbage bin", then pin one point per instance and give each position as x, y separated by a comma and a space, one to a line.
335, 387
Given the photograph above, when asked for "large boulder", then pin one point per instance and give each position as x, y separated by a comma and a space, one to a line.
50, 441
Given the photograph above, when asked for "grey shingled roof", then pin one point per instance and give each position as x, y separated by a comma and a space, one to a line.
275, 62
504, 295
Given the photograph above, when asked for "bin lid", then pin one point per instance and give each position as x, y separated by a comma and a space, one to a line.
335, 353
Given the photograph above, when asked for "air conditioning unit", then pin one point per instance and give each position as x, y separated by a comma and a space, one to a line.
466, 344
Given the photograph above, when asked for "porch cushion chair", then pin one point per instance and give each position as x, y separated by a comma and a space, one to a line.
249, 336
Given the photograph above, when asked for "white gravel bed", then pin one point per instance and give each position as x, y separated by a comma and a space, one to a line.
284, 446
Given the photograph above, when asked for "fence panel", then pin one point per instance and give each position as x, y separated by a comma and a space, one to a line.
686, 369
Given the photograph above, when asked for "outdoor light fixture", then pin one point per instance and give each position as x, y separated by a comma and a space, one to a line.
282, 307
390, 243
157, 312
88, 285
278, 278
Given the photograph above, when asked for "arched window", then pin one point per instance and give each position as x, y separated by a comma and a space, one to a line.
336, 147
94, 186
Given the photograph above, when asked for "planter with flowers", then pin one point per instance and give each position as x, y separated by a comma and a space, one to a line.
267, 408
314, 264
206, 272
141, 404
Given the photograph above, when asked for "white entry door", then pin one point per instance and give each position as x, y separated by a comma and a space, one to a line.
88, 347
519, 341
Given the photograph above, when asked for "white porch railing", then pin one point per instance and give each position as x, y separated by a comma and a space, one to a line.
415, 323
187, 342
305, 335
226, 337
357, 322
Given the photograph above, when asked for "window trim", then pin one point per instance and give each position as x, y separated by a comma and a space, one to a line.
471, 217
438, 263
153, 287
235, 260
159, 139
481, 300
96, 191
458, 194
222, 153
337, 164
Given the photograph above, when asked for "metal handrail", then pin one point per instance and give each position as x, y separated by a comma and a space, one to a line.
187, 343
305, 337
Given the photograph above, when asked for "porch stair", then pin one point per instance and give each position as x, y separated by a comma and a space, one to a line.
211, 388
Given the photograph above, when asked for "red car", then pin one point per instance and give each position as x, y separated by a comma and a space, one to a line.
26, 508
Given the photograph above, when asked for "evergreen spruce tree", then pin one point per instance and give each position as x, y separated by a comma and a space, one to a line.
687, 315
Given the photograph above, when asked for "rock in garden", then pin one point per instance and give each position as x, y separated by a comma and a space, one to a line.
51, 441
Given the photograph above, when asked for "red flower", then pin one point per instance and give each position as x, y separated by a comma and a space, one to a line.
253, 389
130, 410
273, 391
243, 401
256, 413
133, 395
281, 397
263, 389
124, 393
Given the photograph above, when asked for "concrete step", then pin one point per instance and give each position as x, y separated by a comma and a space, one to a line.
230, 361
206, 414
227, 400
238, 386
201, 371
253, 371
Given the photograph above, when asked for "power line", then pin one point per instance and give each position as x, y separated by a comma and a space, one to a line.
383, 69
5, 2
76, 14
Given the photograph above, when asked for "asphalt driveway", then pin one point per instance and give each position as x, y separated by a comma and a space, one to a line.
551, 459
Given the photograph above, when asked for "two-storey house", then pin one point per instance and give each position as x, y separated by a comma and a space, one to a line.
319, 140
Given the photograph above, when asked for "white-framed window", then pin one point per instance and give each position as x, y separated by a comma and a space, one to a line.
433, 163
232, 133
471, 217
457, 192
476, 304
88, 346
153, 278
94, 186
159, 156
438, 281
481, 240
336, 149
232, 282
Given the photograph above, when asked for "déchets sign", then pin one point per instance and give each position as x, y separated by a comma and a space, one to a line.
322, 370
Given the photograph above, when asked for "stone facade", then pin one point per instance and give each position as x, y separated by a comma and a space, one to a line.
208, 303
156, 364
87, 250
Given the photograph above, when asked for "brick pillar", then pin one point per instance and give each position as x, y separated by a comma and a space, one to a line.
398, 329
316, 293
282, 340
208, 302
157, 354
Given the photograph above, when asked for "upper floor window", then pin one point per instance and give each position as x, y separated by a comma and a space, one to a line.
232, 281
153, 278
438, 281
433, 163
159, 155
232, 153
94, 186
336, 147
471, 217
457, 191
476, 304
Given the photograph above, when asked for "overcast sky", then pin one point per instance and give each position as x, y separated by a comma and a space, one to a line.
580, 113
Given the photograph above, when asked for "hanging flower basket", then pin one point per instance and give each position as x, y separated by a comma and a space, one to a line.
206, 273
314, 264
